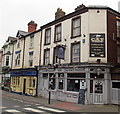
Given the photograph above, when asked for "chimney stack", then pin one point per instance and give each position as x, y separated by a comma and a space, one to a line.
80, 7
32, 26
59, 13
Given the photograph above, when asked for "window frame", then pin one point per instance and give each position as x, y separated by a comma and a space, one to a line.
73, 44
46, 50
30, 59
118, 53
47, 37
17, 59
31, 44
7, 60
58, 33
72, 36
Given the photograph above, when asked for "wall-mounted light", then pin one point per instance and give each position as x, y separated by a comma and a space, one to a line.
98, 70
98, 11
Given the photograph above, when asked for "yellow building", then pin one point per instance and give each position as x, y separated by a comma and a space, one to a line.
24, 81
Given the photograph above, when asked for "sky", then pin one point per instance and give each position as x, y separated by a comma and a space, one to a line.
16, 14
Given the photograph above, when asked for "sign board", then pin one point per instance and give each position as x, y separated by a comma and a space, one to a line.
97, 45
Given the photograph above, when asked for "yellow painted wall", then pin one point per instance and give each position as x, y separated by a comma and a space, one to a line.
19, 88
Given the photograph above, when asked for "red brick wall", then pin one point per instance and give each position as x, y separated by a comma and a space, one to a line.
112, 44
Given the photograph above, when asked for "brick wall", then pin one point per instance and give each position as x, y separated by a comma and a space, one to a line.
111, 32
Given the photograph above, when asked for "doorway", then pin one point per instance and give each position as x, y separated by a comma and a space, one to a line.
24, 86
98, 92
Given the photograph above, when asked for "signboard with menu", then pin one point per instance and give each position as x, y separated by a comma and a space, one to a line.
97, 45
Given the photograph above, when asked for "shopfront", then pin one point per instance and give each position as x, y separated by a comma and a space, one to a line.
24, 81
68, 83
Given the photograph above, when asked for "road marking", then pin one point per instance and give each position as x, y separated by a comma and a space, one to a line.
34, 110
3, 107
20, 100
50, 109
27, 105
14, 99
37, 104
16, 106
12, 110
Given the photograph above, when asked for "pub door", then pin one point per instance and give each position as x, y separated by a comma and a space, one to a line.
98, 92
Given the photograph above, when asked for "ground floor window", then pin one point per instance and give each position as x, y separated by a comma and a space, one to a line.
116, 85
15, 80
73, 85
31, 82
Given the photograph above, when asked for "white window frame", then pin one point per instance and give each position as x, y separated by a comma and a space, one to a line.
75, 50
47, 35
46, 56
17, 59
32, 41
31, 59
76, 27
58, 32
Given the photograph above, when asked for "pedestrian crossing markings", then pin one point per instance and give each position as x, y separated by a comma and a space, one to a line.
34, 110
37, 110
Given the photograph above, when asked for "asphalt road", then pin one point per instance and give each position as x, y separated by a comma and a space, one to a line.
14, 106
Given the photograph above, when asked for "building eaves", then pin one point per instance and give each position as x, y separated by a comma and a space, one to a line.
68, 16
77, 12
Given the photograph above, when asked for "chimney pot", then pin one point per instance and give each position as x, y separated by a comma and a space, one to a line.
32, 26
59, 13
80, 7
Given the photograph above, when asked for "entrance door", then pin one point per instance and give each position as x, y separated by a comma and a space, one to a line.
24, 86
98, 92
45, 87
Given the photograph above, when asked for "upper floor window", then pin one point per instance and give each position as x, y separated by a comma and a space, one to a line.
118, 28
7, 60
18, 44
58, 33
55, 58
76, 27
118, 54
47, 36
31, 58
17, 58
46, 56
75, 52
31, 40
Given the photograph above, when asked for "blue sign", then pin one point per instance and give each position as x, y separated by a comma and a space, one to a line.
24, 73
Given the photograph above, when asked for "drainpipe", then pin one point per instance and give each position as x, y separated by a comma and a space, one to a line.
23, 52
40, 48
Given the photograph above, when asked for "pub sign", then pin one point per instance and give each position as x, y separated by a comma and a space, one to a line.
97, 45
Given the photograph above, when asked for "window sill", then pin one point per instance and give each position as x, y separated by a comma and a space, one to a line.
31, 47
57, 41
46, 44
75, 36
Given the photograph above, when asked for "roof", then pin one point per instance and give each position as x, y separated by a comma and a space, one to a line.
21, 33
80, 11
70, 15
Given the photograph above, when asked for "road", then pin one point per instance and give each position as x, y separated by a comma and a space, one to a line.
14, 106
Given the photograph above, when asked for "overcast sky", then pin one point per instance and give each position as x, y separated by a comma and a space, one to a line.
15, 14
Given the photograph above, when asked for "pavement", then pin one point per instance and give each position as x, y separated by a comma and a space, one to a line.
68, 106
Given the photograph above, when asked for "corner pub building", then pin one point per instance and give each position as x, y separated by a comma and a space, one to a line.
77, 57
81, 52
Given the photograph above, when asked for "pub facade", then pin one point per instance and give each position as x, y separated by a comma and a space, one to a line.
78, 52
